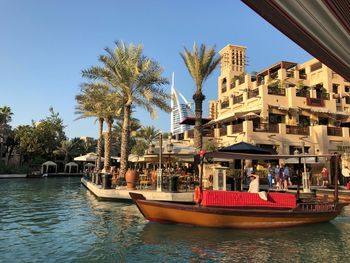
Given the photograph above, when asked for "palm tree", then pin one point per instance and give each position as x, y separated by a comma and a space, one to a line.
64, 149
148, 133
137, 79
96, 100
200, 64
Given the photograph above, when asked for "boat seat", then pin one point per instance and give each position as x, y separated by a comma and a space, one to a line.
240, 199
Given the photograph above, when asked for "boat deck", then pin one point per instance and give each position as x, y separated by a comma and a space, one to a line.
122, 194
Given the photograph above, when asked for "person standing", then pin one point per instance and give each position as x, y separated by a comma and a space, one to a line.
277, 177
325, 174
269, 175
346, 173
254, 184
285, 177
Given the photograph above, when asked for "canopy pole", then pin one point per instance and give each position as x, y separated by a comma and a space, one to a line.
242, 174
299, 179
336, 178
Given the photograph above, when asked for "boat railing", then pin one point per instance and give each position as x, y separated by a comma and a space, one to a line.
317, 207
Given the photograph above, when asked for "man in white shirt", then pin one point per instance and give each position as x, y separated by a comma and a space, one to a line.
346, 173
254, 183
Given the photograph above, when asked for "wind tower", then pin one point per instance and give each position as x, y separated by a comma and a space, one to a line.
180, 110
233, 64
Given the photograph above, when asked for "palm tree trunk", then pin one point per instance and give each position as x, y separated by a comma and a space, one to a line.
107, 160
124, 151
99, 145
198, 98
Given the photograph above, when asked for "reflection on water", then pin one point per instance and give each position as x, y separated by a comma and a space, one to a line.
58, 220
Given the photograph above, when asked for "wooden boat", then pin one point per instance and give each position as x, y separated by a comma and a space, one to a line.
236, 217
254, 215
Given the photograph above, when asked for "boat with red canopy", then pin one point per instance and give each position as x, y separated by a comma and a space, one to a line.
233, 209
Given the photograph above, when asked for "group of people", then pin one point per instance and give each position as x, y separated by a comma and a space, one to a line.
278, 176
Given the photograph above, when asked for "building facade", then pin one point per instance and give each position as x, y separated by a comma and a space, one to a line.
283, 108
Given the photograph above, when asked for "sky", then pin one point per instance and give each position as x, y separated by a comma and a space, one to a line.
44, 46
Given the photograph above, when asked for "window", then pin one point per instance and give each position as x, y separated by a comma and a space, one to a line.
276, 118
323, 121
304, 120
347, 89
302, 74
315, 66
335, 88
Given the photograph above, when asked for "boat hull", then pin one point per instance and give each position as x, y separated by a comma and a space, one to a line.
220, 217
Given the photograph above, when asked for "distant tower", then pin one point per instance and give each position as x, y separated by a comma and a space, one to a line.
233, 64
179, 111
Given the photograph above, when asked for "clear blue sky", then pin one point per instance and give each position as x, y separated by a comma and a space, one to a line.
44, 45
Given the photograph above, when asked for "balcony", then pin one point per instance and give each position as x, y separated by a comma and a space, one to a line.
236, 128
335, 131
225, 104
323, 96
223, 88
274, 90
253, 93
315, 102
223, 131
266, 127
208, 133
299, 130
303, 93
237, 99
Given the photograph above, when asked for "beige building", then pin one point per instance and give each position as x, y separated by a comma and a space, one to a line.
282, 108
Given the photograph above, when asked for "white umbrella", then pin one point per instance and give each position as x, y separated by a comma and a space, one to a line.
89, 157
249, 116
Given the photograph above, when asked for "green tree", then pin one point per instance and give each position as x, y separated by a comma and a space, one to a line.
5, 129
200, 63
137, 79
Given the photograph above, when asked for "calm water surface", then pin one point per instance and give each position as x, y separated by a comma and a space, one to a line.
58, 220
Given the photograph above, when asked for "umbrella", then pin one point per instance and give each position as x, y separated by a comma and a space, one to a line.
243, 147
250, 116
89, 157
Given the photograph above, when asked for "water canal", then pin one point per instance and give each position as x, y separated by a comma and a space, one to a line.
58, 220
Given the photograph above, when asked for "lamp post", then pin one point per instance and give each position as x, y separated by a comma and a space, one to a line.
160, 171
169, 148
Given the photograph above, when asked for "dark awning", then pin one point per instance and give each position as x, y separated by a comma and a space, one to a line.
322, 28
243, 147
246, 156
191, 120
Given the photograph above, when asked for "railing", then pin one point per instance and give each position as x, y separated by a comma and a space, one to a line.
237, 128
223, 131
334, 131
276, 91
302, 75
315, 102
303, 93
253, 93
290, 74
208, 133
324, 96
267, 127
237, 99
347, 100
225, 104
297, 130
